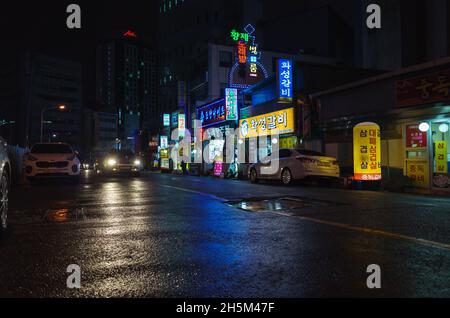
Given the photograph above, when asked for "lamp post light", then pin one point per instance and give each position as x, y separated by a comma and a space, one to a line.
59, 107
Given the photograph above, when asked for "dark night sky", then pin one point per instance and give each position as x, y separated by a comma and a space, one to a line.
41, 26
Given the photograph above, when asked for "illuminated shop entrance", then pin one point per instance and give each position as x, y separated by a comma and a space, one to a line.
427, 154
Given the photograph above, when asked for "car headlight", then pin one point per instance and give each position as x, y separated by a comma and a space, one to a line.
111, 162
137, 162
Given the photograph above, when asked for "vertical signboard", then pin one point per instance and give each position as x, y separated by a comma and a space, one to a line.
164, 142
441, 157
285, 85
166, 120
242, 52
367, 152
231, 103
181, 124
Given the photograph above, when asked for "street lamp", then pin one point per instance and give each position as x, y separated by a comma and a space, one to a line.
59, 107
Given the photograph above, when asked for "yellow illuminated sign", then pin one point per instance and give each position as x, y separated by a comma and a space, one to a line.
441, 157
367, 152
279, 122
418, 172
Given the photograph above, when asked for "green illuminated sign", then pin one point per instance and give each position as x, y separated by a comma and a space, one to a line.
237, 36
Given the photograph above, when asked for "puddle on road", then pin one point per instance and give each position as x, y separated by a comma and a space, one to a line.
285, 204
64, 215
54, 215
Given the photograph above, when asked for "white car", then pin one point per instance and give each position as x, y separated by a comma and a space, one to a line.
52, 160
295, 164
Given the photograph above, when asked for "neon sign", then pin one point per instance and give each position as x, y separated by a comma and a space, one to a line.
166, 120
212, 113
242, 52
164, 142
236, 36
247, 59
181, 124
130, 34
285, 79
231, 103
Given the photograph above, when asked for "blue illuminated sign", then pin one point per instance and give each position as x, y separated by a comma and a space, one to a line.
285, 79
213, 113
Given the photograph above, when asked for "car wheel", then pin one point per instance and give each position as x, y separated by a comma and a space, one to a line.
253, 176
286, 177
4, 201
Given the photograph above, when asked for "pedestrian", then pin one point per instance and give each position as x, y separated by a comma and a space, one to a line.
183, 167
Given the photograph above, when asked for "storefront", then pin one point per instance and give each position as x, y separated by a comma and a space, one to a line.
217, 119
412, 107
268, 129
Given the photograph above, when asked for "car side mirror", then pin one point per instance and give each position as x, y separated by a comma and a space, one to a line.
76, 153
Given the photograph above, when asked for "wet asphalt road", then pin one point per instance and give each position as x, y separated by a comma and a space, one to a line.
172, 236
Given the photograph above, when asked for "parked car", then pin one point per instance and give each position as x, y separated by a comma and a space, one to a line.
5, 184
52, 160
120, 162
296, 164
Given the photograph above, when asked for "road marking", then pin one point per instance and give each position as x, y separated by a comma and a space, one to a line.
364, 230
420, 241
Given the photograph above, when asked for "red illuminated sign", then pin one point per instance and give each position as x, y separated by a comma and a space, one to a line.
427, 89
415, 138
242, 52
130, 34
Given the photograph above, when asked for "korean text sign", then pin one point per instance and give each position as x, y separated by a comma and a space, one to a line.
416, 139
426, 89
441, 157
418, 172
285, 79
164, 142
213, 113
279, 122
166, 120
367, 152
231, 103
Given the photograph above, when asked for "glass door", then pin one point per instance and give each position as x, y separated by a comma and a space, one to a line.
417, 159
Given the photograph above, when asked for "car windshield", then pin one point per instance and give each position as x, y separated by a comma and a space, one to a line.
122, 154
51, 148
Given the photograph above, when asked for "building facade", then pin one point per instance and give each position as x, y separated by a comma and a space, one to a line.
51, 82
412, 32
127, 86
411, 108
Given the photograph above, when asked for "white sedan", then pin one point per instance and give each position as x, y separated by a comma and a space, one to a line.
52, 160
295, 164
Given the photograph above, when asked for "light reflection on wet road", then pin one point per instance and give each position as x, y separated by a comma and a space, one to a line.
166, 236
